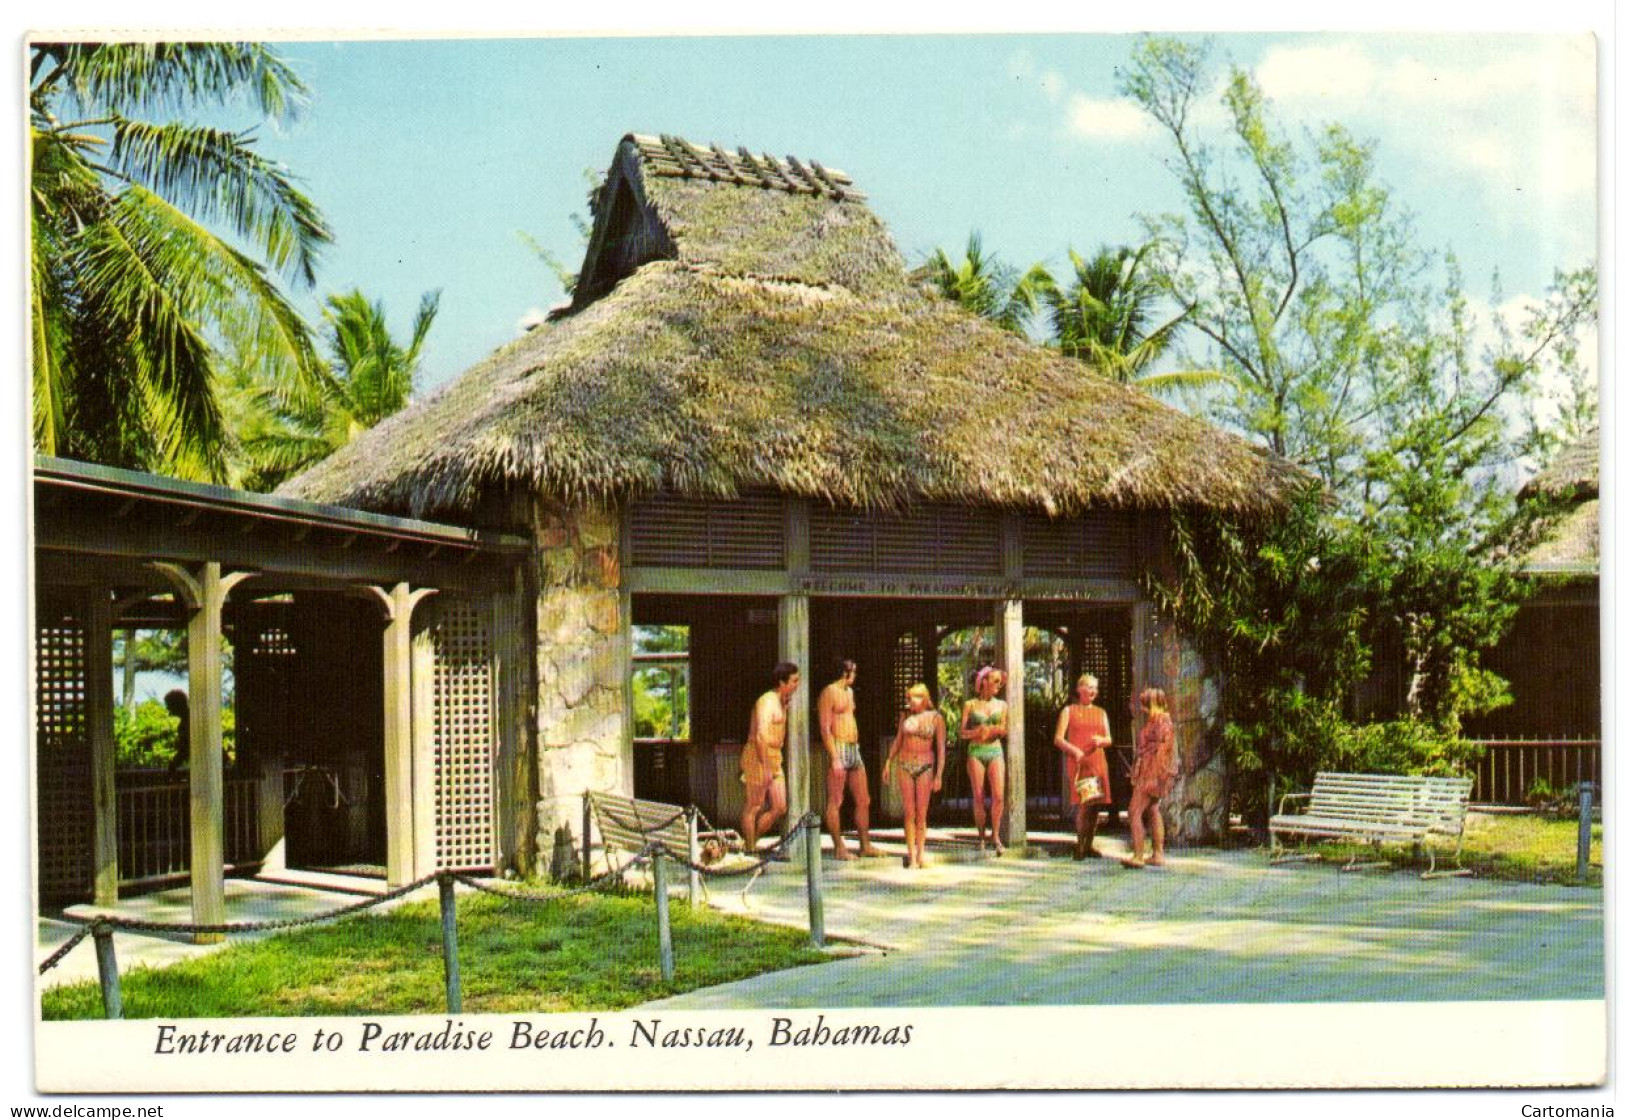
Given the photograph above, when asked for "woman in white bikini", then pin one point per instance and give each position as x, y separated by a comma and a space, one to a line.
916, 757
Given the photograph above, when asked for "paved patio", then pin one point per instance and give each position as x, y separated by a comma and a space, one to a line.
1213, 927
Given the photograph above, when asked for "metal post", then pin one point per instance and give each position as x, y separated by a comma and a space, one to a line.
1582, 861
107, 967
815, 882
693, 860
586, 837
663, 916
448, 943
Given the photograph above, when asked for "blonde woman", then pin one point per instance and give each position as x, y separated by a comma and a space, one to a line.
916, 757
982, 727
1156, 764
1082, 735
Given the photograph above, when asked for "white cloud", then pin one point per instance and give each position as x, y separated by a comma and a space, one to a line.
1106, 118
1053, 85
1340, 72
1519, 113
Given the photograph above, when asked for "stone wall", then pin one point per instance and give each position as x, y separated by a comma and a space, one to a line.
583, 648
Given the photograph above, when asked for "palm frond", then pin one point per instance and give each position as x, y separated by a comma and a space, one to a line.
175, 76
217, 176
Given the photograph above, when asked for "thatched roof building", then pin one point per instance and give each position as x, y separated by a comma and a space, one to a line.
1571, 540
745, 322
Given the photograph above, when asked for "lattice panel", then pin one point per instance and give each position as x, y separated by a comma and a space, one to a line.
464, 736
66, 809
908, 668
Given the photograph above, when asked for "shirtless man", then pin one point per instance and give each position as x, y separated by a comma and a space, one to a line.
838, 724
762, 763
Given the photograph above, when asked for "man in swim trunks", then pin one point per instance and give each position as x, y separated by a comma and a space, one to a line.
838, 724
762, 763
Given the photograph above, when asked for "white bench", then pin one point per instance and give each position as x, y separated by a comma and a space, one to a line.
1377, 809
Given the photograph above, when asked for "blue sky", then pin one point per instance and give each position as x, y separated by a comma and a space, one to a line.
430, 157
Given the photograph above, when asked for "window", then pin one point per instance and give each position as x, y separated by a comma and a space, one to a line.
660, 684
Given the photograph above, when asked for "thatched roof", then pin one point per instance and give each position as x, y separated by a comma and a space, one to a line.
1570, 538
742, 324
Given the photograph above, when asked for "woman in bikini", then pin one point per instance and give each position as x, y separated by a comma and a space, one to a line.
1156, 764
1082, 735
982, 727
916, 757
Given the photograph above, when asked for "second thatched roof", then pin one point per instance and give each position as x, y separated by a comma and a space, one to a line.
742, 322
1570, 543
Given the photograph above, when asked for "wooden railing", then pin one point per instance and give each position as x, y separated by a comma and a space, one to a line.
1507, 768
155, 825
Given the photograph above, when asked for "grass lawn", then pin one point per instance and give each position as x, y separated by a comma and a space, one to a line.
587, 953
1526, 847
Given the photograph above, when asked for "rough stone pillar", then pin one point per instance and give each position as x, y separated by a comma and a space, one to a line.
1197, 808
1010, 635
583, 646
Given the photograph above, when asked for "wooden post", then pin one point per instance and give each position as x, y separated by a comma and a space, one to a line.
693, 860
794, 646
205, 592
107, 967
448, 943
663, 916
401, 852
98, 609
1582, 859
1011, 635
815, 883
586, 836
272, 816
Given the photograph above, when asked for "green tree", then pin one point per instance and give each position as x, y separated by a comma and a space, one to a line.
1306, 285
985, 286
1103, 316
129, 272
283, 430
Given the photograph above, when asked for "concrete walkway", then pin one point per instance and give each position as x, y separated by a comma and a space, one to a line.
1213, 927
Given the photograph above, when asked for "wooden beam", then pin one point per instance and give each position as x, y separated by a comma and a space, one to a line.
1010, 634
795, 645
98, 608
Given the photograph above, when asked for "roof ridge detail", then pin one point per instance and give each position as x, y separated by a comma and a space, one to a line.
673, 157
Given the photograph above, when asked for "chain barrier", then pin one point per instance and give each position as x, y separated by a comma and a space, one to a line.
141, 925
67, 947
592, 884
755, 867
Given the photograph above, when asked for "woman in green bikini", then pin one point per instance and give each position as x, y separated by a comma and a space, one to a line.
916, 758
982, 727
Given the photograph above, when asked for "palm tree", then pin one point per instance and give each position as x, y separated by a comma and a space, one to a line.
130, 284
984, 286
370, 376
1103, 317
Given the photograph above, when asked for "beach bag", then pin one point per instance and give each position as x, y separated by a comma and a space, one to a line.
1088, 789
